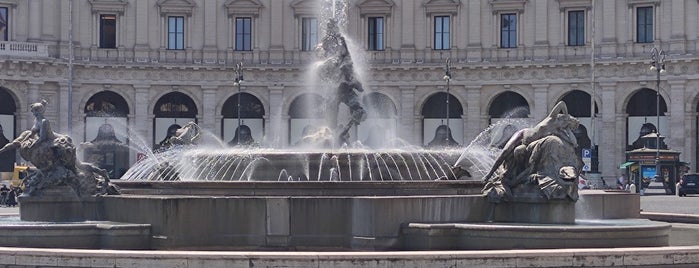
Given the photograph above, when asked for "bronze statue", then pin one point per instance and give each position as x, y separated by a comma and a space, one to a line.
338, 69
540, 161
53, 155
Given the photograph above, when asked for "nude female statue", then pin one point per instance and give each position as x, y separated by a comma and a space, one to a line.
558, 123
40, 131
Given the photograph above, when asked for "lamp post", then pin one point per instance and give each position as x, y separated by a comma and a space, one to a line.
657, 65
447, 77
238, 81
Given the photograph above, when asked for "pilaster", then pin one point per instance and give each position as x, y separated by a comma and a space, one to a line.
608, 154
472, 126
141, 124
540, 102
208, 121
409, 123
277, 130
675, 139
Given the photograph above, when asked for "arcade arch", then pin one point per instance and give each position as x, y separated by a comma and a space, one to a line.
434, 114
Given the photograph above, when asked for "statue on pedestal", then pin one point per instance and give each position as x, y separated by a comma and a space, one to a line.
538, 162
54, 157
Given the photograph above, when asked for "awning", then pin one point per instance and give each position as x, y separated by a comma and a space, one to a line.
625, 165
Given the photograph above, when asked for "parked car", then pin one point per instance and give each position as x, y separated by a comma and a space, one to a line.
689, 184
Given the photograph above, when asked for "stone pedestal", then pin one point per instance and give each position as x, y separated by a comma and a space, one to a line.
58, 204
534, 210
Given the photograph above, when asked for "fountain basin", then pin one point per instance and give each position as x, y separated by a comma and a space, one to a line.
319, 215
583, 234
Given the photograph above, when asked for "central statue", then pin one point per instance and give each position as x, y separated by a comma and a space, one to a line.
337, 69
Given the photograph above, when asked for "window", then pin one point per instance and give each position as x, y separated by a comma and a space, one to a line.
4, 21
508, 30
441, 32
644, 25
309, 34
576, 28
243, 29
375, 33
175, 32
107, 31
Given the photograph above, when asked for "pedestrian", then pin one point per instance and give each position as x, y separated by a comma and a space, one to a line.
3, 194
11, 200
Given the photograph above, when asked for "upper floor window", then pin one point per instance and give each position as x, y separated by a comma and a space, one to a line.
375, 33
243, 29
508, 30
175, 32
107, 31
576, 28
441, 32
309, 34
644, 24
4, 24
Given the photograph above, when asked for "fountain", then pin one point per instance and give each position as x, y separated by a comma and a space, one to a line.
191, 196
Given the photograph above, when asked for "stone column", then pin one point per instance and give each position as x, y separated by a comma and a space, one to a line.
676, 124
407, 114
141, 125
608, 160
62, 125
540, 109
473, 112
276, 131
209, 100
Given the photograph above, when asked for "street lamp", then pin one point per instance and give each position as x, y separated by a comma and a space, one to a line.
447, 77
238, 81
657, 65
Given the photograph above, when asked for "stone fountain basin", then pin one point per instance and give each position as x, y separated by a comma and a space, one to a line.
315, 215
605, 233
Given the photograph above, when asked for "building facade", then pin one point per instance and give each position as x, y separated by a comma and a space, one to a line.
144, 65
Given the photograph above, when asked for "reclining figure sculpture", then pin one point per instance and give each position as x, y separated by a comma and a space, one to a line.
538, 162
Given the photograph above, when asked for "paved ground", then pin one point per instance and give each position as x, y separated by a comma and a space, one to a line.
655, 200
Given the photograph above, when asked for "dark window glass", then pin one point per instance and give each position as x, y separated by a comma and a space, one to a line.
435, 106
508, 30
175, 32
250, 107
107, 31
376, 33
441, 32
576, 28
309, 34
243, 34
4, 24
644, 25
175, 105
107, 103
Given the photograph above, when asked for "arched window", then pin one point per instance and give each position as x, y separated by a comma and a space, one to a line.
508, 105
106, 104
380, 127
106, 133
172, 110
305, 114
8, 108
434, 123
643, 116
252, 114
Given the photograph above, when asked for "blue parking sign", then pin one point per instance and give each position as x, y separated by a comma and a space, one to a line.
586, 153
